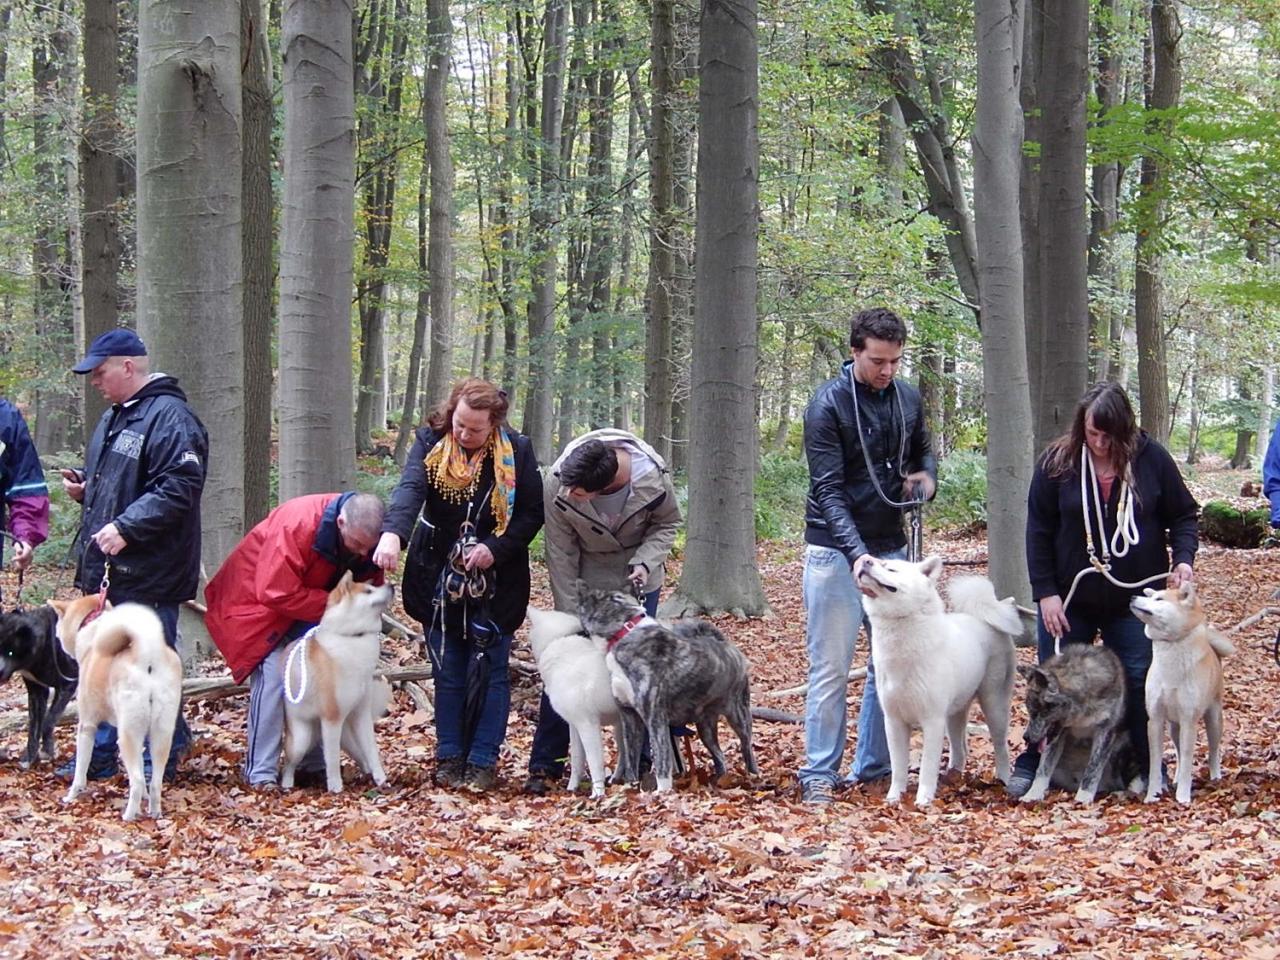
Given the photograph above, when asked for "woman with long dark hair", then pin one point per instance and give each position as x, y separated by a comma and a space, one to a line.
470, 499
1106, 508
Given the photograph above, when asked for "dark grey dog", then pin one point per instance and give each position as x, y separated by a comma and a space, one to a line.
684, 671
1075, 706
28, 647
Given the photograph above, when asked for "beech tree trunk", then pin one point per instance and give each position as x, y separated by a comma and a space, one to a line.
439, 159
317, 442
720, 571
997, 150
190, 294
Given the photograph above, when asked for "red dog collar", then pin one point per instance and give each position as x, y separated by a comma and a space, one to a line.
626, 628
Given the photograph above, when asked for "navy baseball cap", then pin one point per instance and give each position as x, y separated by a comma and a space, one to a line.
120, 342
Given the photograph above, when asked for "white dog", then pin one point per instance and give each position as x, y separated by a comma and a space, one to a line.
930, 665
129, 677
579, 686
1184, 682
329, 685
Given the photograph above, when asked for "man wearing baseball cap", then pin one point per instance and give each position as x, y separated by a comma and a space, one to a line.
141, 486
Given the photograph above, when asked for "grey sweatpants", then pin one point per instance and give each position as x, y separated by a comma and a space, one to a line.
266, 719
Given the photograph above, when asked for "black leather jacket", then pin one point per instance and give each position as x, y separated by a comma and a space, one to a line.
844, 510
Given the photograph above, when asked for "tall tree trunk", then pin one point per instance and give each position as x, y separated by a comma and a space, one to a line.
1063, 233
1106, 321
6, 15
720, 571
440, 160
1029, 199
538, 419
317, 444
421, 317
190, 295
997, 148
659, 379
383, 80
1162, 94
99, 159
600, 207
259, 258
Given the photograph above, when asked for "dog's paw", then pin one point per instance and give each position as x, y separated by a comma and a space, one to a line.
71, 795
1183, 798
1084, 797
1151, 798
1033, 795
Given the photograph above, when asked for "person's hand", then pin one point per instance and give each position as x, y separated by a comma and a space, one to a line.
387, 553
22, 554
1181, 574
479, 557
638, 576
1054, 616
73, 484
920, 485
109, 540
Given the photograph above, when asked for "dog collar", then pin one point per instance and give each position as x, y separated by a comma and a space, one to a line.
625, 629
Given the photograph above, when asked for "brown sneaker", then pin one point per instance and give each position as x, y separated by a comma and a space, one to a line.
481, 779
451, 772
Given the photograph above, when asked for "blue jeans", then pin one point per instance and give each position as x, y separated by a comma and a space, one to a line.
833, 606
550, 750
452, 653
1124, 635
104, 741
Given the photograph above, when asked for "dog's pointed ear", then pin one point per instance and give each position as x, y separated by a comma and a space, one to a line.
1148, 592
931, 567
59, 606
1187, 591
347, 579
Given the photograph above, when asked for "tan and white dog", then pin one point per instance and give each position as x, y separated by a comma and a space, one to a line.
1184, 682
932, 664
579, 685
129, 677
330, 689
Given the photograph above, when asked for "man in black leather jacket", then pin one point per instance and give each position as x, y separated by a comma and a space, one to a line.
869, 453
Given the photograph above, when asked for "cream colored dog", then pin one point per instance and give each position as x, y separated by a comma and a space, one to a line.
129, 677
1184, 682
330, 690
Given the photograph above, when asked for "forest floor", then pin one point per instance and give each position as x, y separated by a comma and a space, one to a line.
742, 869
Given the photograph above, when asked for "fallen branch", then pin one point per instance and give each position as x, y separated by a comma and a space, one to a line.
1250, 621
771, 715
857, 673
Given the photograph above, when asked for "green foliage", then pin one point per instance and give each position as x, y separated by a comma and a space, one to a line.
1232, 527
782, 483
962, 493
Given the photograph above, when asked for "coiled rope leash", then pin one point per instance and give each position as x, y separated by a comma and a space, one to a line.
301, 645
1125, 536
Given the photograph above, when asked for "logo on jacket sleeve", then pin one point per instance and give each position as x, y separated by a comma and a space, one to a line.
190, 456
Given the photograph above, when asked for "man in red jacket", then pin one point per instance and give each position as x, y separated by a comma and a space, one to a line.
273, 588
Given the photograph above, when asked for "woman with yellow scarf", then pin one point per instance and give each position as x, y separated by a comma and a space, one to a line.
470, 500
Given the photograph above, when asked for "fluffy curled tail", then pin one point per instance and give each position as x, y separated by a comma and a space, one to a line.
130, 625
977, 597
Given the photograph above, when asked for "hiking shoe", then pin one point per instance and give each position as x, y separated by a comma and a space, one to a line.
101, 767
538, 785
1019, 782
817, 792
451, 772
481, 779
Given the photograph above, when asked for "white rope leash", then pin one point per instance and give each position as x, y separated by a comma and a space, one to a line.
301, 645
1125, 537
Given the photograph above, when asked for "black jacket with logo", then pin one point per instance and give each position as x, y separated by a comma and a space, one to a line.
145, 472
844, 510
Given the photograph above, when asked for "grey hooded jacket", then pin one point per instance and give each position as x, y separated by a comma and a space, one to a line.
581, 546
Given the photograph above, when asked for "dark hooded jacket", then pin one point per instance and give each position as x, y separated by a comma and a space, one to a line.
145, 472
844, 510
1056, 545
443, 519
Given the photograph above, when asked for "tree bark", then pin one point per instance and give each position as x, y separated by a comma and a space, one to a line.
1063, 233
1106, 321
720, 571
439, 158
997, 149
1163, 92
539, 411
258, 239
190, 295
100, 194
317, 442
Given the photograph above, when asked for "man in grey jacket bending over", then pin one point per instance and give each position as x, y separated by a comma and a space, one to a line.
611, 518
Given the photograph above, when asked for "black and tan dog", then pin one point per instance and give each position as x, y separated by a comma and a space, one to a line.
29, 647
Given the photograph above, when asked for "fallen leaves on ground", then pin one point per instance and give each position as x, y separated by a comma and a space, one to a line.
742, 870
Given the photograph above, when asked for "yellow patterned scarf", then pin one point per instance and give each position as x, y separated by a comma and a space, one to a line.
455, 473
